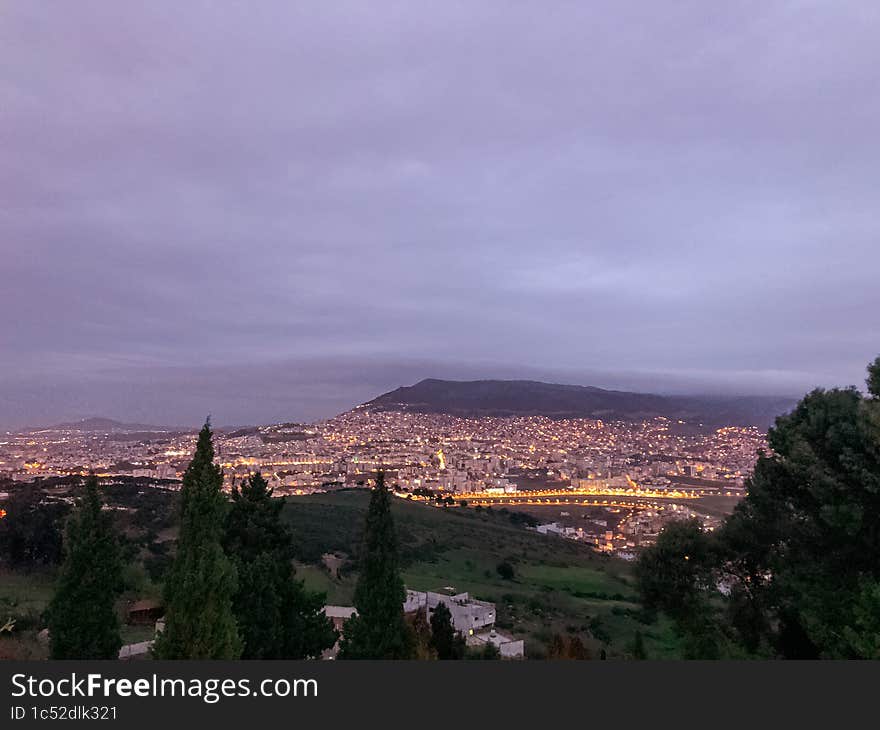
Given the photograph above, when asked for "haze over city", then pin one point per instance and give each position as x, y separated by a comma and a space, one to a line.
269, 215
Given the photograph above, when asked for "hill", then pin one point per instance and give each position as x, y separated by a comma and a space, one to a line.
559, 586
477, 398
99, 425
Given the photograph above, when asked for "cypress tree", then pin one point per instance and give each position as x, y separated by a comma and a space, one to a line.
421, 633
83, 623
199, 620
379, 630
443, 636
277, 617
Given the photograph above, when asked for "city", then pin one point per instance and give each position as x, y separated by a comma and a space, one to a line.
613, 485
463, 359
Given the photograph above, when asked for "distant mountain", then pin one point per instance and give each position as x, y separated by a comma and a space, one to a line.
531, 398
101, 425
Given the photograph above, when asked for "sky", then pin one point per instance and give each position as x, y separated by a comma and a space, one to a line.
277, 210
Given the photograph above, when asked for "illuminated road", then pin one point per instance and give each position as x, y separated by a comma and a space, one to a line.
585, 501
591, 497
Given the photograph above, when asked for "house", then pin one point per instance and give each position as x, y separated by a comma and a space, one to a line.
468, 614
140, 650
144, 612
472, 618
338, 615
507, 647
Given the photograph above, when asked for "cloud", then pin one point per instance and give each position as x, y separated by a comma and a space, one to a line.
576, 188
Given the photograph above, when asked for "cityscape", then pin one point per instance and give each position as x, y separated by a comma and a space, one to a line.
611, 484
342, 341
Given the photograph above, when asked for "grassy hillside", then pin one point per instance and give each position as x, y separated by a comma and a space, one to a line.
559, 586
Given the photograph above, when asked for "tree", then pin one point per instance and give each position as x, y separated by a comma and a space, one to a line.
82, 618
801, 551
277, 617
444, 639
803, 548
199, 620
421, 632
379, 630
678, 576
31, 533
576, 649
505, 570
557, 649
638, 647
874, 378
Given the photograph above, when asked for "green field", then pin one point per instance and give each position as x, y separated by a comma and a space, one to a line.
23, 598
24, 594
559, 586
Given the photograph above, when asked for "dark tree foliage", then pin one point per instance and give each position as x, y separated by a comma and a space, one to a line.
82, 617
277, 617
199, 619
486, 652
638, 647
505, 570
803, 548
800, 554
577, 650
573, 648
444, 639
557, 648
677, 575
421, 632
379, 630
31, 532
874, 378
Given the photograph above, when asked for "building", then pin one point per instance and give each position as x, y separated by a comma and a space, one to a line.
507, 647
472, 618
144, 612
338, 615
468, 614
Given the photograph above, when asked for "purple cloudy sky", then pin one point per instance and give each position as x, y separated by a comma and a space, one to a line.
275, 210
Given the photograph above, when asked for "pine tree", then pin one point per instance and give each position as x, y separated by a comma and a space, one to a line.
199, 620
277, 617
379, 630
801, 551
83, 623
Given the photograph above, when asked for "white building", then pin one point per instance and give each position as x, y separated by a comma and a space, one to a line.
507, 647
468, 614
472, 618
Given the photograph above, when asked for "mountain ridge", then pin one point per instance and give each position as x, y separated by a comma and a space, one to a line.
475, 398
101, 424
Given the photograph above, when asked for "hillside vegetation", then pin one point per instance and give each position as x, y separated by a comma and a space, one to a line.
558, 586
